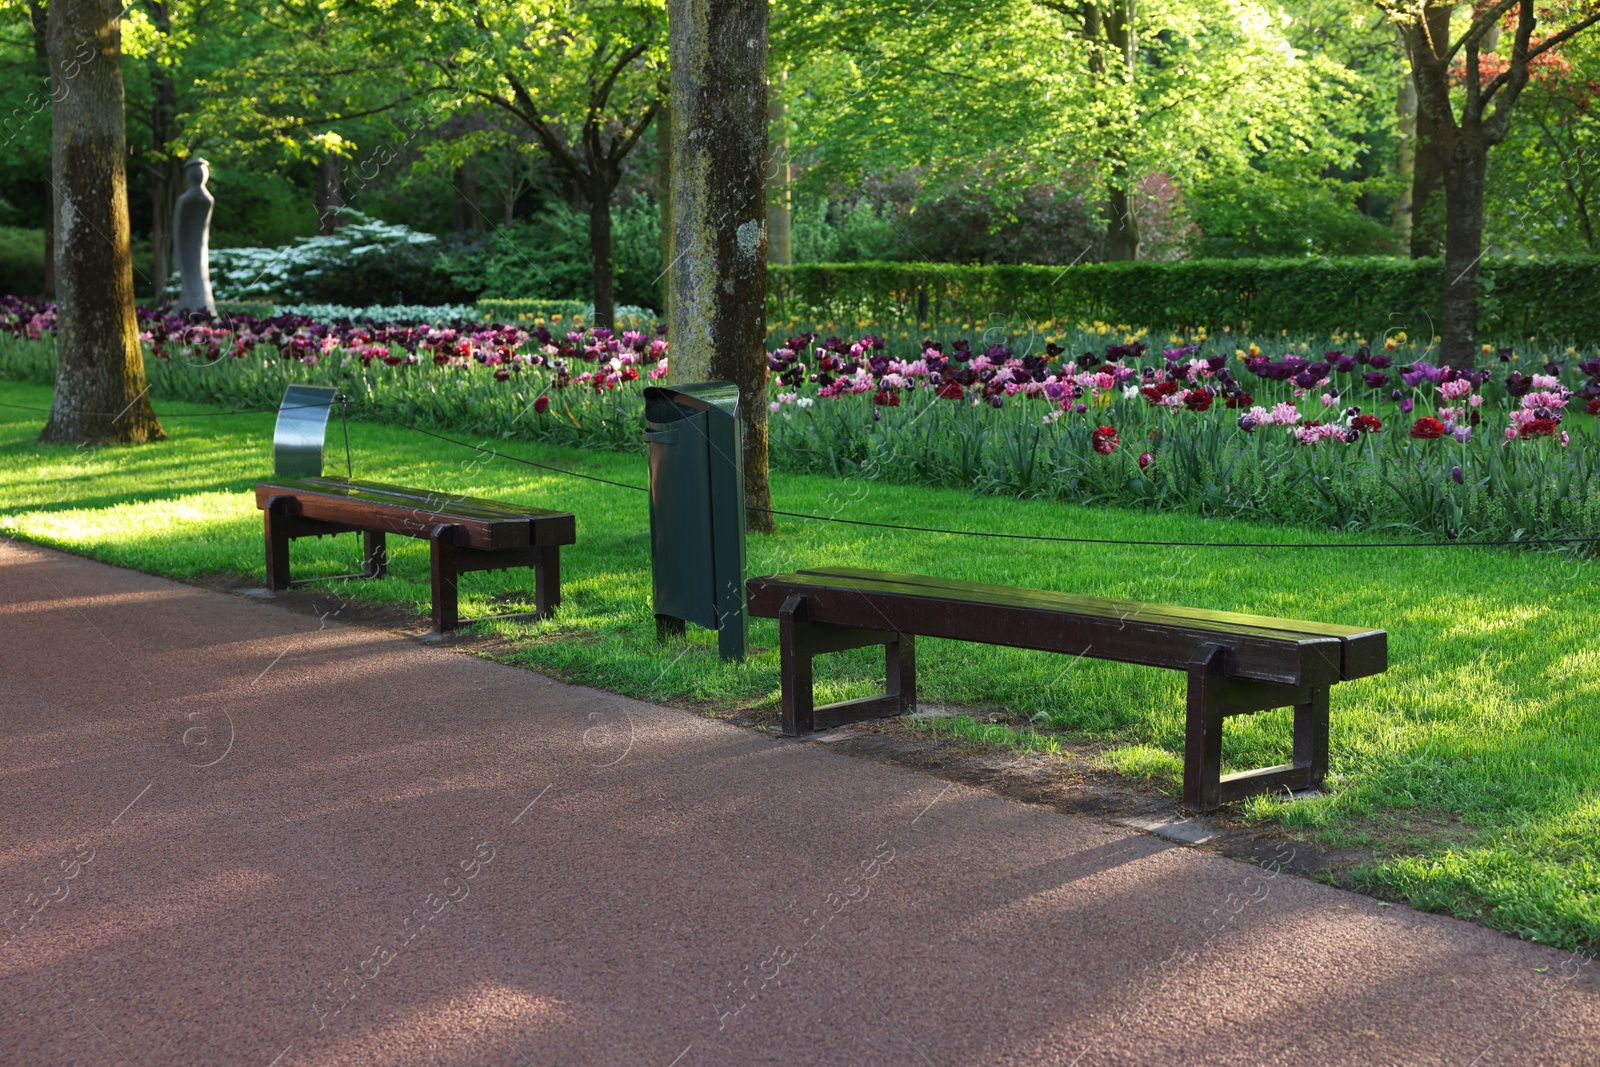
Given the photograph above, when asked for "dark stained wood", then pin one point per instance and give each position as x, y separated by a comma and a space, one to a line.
960, 615
483, 524
1236, 664
1365, 651
801, 641
465, 534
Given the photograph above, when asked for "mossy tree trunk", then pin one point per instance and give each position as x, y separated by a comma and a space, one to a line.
664, 203
101, 395
719, 273
779, 206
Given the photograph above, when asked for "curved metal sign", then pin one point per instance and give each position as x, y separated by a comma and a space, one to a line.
298, 441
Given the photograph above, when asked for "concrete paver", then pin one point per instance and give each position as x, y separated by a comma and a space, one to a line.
230, 834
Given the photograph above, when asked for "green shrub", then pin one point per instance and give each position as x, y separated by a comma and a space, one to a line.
401, 274
1549, 297
21, 261
549, 258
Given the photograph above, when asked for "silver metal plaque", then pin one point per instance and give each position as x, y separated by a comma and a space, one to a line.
298, 441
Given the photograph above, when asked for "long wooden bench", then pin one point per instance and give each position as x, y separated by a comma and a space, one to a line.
466, 534
1237, 664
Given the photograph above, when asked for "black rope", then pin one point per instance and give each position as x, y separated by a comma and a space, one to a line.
1185, 544
1046, 537
526, 462
918, 529
176, 415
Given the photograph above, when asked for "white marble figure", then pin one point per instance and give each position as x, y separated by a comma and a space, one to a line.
191, 227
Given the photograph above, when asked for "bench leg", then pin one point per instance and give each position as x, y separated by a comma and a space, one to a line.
375, 552
900, 671
1202, 742
276, 525
801, 641
1212, 698
445, 575
794, 670
547, 582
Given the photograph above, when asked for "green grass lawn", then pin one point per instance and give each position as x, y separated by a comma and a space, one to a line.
1469, 769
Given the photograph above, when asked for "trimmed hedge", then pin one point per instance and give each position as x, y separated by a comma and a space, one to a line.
1553, 297
526, 309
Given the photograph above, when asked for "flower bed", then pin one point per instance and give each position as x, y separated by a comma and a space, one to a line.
1359, 436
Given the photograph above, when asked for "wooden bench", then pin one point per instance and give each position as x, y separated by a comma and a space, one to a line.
466, 534
1236, 663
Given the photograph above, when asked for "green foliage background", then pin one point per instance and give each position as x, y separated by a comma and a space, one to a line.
1548, 297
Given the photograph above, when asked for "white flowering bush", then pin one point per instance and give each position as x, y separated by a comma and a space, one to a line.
384, 314
241, 273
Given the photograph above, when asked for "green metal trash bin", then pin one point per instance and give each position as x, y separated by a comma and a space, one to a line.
697, 510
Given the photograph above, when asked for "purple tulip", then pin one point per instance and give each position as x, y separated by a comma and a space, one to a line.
1406, 405
1456, 476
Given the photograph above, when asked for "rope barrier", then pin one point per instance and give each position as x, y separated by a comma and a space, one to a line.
176, 415
1046, 537
1524, 542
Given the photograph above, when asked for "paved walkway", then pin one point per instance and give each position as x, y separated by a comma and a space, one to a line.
229, 836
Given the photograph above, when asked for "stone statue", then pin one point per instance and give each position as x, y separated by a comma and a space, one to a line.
191, 227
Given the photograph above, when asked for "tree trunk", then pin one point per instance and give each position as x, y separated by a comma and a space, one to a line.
47, 203
101, 395
1426, 177
1115, 56
779, 244
1405, 160
1427, 231
163, 196
605, 301
719, 152
1122, 228
37, 190
164, 172
465, 216
1466, 163
664, 203
330, 193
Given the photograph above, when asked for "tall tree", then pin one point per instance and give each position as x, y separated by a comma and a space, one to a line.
1010, 89
719, 273
1110, 34
1491, 84
585, 78
163, 166
25, 122
101, 395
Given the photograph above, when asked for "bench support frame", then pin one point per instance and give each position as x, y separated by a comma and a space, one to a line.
801, 640
1212, 698
448, 559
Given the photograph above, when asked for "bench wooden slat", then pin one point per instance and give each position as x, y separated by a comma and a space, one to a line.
481, 524
965, 615
401, 494
1365, 651
464, 533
